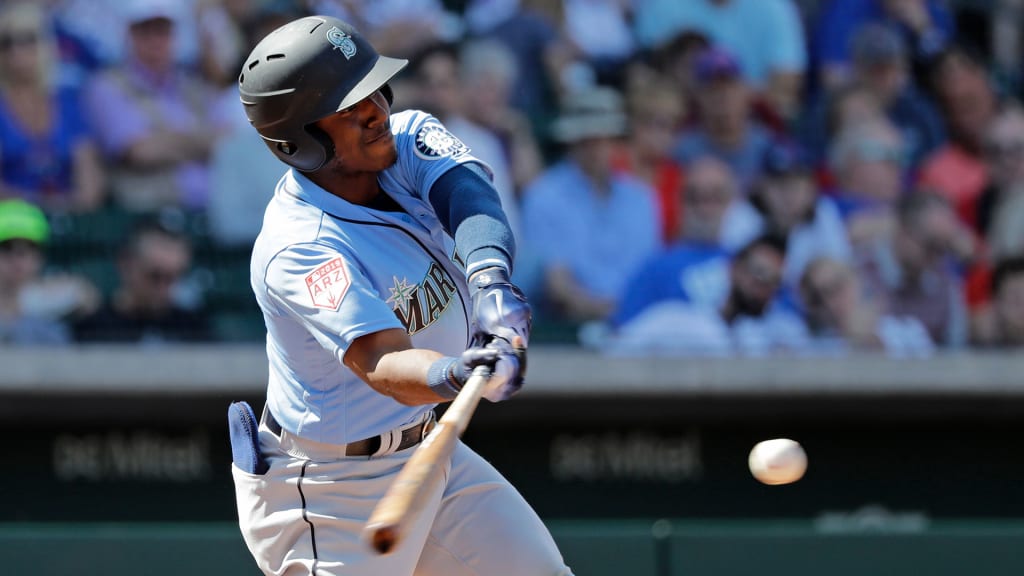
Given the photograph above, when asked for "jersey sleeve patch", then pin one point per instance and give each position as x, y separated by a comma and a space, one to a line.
434, 141
327, 284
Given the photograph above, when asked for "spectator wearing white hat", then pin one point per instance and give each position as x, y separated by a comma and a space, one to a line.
153, 118
588, 226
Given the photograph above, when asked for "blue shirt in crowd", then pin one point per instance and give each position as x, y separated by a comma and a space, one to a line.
600, 238
42, 164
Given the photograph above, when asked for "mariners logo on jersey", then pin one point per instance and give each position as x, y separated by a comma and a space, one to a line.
419, 305
342, 42
328, 284
433, 141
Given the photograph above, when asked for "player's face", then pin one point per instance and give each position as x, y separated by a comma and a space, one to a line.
362, 137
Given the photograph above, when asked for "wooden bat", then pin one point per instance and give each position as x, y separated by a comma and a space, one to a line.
391, 517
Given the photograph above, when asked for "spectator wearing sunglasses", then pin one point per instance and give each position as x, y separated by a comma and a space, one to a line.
912, 271
47, 155
145, 307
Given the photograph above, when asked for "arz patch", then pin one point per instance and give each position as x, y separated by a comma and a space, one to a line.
327, 284
433, 141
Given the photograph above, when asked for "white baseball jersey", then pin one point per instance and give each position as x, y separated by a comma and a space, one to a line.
326, 271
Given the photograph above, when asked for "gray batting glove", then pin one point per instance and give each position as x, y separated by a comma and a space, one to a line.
500, 309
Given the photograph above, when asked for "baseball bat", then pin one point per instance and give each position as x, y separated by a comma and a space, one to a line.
405, 497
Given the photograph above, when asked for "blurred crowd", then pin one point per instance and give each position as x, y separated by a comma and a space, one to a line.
709, 177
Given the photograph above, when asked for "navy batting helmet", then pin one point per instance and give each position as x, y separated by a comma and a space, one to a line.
304, 71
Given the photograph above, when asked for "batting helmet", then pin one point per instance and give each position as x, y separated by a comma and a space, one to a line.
304, 71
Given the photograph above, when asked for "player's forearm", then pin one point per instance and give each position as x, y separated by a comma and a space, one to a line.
389, 364
403, 376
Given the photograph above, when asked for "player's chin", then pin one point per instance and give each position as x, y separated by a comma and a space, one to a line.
388, 156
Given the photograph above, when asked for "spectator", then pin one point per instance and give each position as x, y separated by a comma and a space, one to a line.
153, 119
911, 272
23, 231
868, 163
1002, 326
766, 36
695, 266
848, 105
751, 320
541, 53
927, 27
725, 128
841, 318
675, 60
442, 92
785, 202
144, 309
589, 226
489, 76
1000, 214
968, 103
999, 218
47, 155
240, 185
656, 111
880, 64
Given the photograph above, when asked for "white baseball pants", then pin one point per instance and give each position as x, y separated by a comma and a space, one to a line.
306, 514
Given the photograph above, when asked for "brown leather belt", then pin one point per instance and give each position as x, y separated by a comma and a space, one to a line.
411, 436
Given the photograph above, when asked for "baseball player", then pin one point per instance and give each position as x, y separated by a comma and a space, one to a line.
382, 272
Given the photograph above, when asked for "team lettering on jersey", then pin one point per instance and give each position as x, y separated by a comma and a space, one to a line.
328, 284
419, 305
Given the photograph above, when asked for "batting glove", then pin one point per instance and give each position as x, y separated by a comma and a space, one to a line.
507, 365
500, 309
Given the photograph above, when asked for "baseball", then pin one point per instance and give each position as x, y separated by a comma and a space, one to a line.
778, 461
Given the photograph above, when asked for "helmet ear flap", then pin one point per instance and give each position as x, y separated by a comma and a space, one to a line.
322, 141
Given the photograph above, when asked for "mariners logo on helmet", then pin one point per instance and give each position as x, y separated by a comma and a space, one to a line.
433, 142
342, 42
